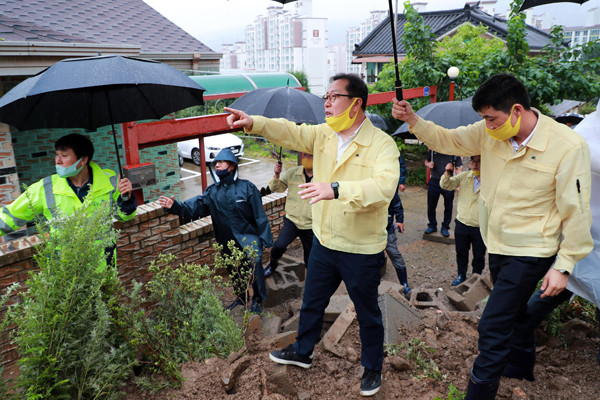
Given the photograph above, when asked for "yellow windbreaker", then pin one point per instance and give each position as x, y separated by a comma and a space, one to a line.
533, 203
467, 209
296, 210
367, 172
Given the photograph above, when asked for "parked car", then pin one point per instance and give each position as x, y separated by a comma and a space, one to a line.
212, 146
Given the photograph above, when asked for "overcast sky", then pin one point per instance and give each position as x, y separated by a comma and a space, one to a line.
215, 22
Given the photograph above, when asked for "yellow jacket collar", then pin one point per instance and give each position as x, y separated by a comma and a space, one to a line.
539, 141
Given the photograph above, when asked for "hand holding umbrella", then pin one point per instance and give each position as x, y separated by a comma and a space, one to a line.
125, 187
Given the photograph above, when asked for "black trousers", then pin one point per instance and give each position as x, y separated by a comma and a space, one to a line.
433, 195
466, 237
361, 274
288, 233
537, 310
515, 279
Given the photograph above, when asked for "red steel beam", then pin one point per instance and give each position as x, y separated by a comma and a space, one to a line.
137, 136
413, 93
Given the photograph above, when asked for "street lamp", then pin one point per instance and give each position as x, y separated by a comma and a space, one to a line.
452, 74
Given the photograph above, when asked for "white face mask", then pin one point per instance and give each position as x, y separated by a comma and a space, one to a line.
71, 170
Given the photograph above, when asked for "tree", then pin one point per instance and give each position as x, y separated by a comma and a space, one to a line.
302, 78
556, 73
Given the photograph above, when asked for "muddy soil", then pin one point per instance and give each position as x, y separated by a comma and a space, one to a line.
448, 339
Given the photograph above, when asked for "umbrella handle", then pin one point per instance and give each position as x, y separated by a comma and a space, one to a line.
399, 94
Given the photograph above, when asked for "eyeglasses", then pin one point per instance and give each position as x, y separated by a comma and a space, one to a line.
333, 96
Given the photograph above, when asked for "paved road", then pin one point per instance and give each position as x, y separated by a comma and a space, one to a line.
257, 170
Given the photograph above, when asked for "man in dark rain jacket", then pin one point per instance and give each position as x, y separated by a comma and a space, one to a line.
237, 214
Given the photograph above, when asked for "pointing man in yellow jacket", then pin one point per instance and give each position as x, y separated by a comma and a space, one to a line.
356, 173
534, 212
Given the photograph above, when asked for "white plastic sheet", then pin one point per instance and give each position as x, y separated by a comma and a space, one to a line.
585, 280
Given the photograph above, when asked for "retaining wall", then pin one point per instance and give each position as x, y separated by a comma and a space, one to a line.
141, 240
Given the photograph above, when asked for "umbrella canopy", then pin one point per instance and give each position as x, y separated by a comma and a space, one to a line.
283, 102
77, 93
449, 114
533, 3
97, 91
378, 121
569, 118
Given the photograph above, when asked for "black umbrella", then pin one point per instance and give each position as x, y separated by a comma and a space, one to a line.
378, 121
533, 3
569, 118
449, 114
283, 102
98, 91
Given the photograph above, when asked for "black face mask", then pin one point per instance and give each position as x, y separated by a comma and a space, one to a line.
222, 173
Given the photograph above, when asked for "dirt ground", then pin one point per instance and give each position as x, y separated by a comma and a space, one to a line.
450, 337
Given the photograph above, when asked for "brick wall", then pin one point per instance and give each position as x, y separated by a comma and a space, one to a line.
150, 233
9, 180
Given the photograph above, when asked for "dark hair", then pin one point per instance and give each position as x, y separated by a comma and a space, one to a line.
81, 145
356, 87
501, 92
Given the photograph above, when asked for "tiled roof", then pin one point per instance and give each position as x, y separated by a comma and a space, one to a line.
95, 21
379, 41
13, 30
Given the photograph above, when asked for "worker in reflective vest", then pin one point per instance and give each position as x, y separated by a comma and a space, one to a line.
77, 176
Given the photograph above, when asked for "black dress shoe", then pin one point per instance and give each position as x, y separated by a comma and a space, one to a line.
236, 303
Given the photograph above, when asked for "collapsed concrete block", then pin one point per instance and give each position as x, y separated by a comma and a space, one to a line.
291, 324
437, 237
466, 295
389, 287
231, 375
423, 298
396, 314
282, 285
289, 263
337, 304
283, 339
337, 330
271, 325
254, 327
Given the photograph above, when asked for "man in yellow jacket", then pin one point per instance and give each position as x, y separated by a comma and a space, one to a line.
298, 216
466, 230
77, 176
356, 173
534, 212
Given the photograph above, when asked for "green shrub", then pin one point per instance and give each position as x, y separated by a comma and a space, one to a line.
181, 319
419, 353
68, 347
577, 308
453, 394
416, 176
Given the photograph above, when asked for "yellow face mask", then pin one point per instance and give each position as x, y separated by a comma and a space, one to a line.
506, 130
476, 173
342, 121
307, 163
